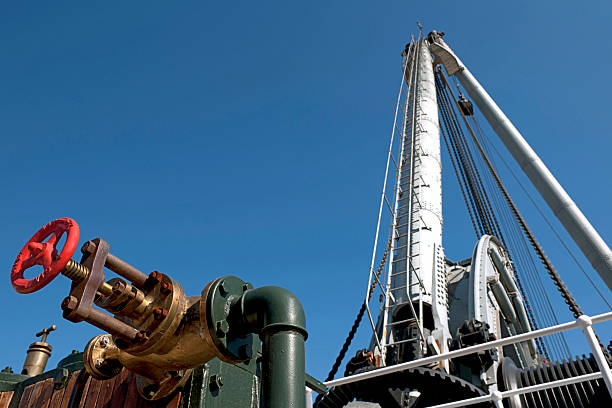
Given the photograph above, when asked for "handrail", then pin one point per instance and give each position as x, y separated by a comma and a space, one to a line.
584, 322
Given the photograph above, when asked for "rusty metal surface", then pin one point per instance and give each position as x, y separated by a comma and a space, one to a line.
85, 291
120, 391
78, 305
126, 270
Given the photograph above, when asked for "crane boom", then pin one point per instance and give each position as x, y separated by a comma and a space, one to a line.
565, 209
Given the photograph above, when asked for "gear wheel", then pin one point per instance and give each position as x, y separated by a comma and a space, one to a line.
585, 394
384, 390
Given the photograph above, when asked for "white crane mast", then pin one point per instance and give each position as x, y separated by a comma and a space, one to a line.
416, 302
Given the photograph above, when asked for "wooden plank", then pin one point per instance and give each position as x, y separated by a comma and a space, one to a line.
121, 386
36, 391
56, 398
93, 392
44, 396
68, 390
25, 397
131, 397
5, 398
106, 393
81, 402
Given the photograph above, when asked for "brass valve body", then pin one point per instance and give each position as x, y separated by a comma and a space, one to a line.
176, 342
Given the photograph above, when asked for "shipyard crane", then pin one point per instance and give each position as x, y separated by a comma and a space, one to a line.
431, 306
478, 331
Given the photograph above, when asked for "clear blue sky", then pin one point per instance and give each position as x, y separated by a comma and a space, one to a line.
248, 138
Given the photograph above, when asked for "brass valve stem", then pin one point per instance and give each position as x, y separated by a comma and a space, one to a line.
78, 273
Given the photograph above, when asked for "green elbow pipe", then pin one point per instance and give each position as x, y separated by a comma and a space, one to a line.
278, 317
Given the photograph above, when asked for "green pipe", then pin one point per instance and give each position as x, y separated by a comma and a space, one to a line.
278, 317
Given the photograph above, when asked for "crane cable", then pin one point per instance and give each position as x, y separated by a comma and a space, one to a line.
546, 220
347, 342
565, 293
547, 315
490, 224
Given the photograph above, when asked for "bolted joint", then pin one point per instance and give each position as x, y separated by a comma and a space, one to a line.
141, 337
222, 328
69, 303
166, 288
159, 313
152, 280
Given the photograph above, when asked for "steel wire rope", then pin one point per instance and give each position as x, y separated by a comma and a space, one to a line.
548, 222
526, 263
469, 180
483, 198
372, 285
504, 216
461, 175
498, 228
530, 255
513, 237
509, 225
549, 267
536, 290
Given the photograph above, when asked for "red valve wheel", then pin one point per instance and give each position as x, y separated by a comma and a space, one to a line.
38, 252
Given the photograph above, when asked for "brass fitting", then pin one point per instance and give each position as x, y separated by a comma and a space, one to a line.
181, 333
38, 354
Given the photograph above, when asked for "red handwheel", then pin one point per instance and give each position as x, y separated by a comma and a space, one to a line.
37, 251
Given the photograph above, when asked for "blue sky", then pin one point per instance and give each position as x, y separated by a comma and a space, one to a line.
248, 138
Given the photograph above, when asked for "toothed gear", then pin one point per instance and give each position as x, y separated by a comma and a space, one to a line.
381, 389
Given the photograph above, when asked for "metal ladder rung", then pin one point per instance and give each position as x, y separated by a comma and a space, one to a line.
401, 322
400, 342
400, 304
406, 286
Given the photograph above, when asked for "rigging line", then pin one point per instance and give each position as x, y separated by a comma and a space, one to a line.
384, 189
567, 296
411, 195
503, 212
459, 182
530, 266
479, 198
501, 237
483, 197
559, 238
466, 164
371, 285
539, 250
470, 162
498, 181
513, 233
460, 174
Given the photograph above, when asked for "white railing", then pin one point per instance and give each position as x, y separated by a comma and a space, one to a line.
584, 322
